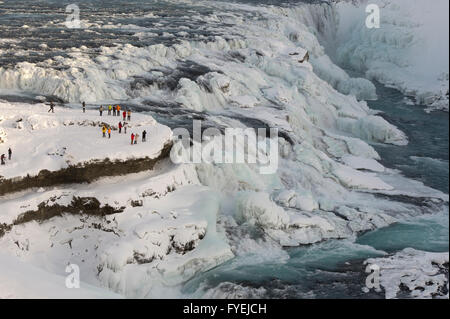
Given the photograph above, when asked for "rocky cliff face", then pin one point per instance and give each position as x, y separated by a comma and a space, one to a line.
83, 172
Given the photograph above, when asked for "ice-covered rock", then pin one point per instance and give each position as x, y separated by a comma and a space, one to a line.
246, 101
413, 273
409, 51
363, 163
258, 209
268, 69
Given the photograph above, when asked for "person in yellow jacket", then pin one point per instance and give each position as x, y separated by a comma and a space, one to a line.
104, 131
109, 109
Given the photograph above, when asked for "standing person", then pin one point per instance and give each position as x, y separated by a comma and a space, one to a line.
52, 108
144, 136
3, 159
101, 110
114, 110
136, 138
9, 153
104, 131
125, 125
109, 109
120, 127
132, 138
84, 107
118, 110
129, 115
124, 114
109, 132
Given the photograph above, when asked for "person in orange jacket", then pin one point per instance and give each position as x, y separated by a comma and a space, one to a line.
109, 132
118, 110
129, 115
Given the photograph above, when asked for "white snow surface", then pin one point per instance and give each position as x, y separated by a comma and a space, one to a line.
53, 141
22, 280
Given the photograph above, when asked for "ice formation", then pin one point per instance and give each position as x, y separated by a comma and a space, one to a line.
414, 273
409, 51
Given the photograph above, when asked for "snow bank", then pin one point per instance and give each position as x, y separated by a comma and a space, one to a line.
166, 233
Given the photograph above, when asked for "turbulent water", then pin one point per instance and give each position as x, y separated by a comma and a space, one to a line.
426, 156
112, 49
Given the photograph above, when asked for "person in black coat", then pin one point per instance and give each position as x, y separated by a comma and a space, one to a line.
144, 136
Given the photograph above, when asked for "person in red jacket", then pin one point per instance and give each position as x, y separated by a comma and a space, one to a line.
120, 127
124, 114
132, 138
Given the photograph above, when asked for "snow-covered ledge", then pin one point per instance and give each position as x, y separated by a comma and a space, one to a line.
68, 147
